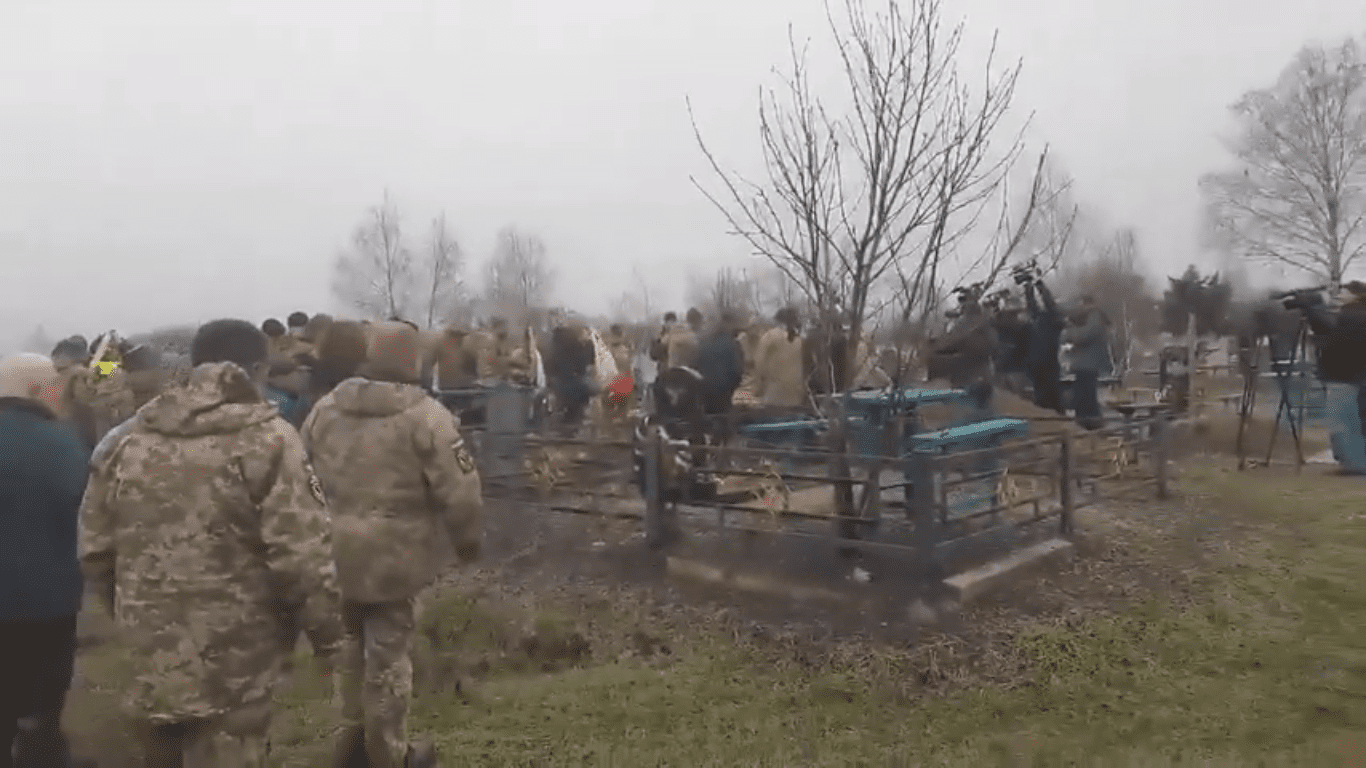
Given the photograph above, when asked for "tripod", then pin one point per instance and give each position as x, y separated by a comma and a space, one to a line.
1288, 370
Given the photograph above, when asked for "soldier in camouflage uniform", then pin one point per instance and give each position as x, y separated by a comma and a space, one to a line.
101, 398
205, 534
396, 471
72, 358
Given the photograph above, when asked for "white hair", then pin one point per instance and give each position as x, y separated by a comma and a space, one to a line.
21, 374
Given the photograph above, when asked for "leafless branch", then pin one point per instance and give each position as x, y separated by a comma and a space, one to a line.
1297, 195
849, 199
375, 275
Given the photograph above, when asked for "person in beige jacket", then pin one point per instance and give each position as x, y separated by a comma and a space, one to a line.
779, 378
395, 471
683, 339
868, 373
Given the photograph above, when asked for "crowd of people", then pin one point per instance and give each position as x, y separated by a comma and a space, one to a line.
299, 477
246, 501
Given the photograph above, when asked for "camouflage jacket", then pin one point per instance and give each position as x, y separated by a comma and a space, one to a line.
206, 532
394, 468
99, 403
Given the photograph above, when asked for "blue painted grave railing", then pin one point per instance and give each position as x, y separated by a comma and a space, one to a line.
968, 437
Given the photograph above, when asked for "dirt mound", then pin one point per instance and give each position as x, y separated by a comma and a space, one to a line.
1043, 422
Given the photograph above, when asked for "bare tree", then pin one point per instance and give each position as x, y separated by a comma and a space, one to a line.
1109, 266
774, 289
518, 278
39, 342
440, 272
728, 290
848, 197
636, 303
375, 275
1042, 234
1298, 193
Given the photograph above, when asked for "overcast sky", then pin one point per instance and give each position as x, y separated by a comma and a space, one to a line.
166, 162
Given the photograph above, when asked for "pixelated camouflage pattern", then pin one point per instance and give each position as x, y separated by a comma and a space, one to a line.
204, 515
239, 739
106, 400
394, 468
375, 675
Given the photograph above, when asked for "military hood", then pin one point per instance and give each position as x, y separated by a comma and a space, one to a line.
220, 398
369, 398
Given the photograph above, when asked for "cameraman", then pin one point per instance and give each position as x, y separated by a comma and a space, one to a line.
964, 354
1340, 340
1045, 339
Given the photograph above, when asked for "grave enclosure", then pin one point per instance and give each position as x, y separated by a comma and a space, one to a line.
820, 507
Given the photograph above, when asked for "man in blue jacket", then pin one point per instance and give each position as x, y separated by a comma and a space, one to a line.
721, 362
287, 388
43, 470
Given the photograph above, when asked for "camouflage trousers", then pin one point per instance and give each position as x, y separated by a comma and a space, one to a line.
236, 740
374, 675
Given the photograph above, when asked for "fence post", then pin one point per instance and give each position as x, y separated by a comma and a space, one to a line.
841, 473
503, 443
1162, 439
925, 504
654, 512
1065, 483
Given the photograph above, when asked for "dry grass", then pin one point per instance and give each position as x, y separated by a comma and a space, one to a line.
1221, 629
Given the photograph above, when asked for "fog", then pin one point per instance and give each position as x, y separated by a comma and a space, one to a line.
170, 162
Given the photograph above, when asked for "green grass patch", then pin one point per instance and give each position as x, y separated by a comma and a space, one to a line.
1266, 667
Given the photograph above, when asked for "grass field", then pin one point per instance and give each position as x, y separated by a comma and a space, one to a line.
1257, 656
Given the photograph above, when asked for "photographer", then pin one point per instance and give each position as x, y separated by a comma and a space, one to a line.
1045, 339
1340, 340
964, 354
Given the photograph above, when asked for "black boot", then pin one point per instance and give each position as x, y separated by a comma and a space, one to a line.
420, 755
350, 750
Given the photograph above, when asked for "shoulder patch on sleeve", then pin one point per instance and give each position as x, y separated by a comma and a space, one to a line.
315, 487
462, 456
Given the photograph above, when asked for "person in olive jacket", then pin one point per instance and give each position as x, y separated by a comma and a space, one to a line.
43, 470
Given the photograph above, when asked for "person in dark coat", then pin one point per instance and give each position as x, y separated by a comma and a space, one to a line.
721, 361
1090, 359
1341, 341
568, 366
43, 471
1046, 324
1011, 356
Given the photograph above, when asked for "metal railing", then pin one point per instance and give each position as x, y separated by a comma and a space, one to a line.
943, 510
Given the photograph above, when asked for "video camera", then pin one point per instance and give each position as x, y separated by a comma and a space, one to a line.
1026, 273
994, 301
1301, 298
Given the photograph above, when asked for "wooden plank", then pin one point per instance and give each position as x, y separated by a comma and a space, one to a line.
754, 583
971, 585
